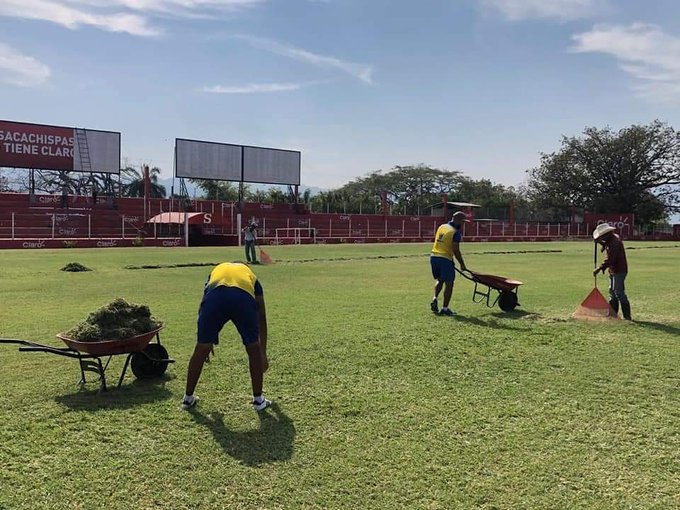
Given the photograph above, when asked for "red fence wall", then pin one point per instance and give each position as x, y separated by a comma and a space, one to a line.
46, 221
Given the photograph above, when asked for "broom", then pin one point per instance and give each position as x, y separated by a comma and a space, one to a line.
594, 306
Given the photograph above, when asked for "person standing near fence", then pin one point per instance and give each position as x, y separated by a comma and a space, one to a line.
446, 246
617, 264
250, 235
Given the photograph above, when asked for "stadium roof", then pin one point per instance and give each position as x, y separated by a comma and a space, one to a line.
454, 204
194, 218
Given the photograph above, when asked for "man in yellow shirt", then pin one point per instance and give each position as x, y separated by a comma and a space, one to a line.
446, 246
232, 293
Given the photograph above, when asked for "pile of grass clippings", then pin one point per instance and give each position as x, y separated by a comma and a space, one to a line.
75, 267
116, 321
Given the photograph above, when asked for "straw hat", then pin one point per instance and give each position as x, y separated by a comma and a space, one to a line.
602, 229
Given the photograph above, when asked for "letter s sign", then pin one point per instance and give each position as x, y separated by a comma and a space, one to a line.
207, 218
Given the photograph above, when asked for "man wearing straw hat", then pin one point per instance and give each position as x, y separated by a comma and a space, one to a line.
616, 263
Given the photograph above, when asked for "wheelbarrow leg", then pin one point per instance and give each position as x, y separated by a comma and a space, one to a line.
125, 367
102, 374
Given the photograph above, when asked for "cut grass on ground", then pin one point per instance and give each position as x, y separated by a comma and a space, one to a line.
379, 403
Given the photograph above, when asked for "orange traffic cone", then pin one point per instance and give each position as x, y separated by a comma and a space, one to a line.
264, 258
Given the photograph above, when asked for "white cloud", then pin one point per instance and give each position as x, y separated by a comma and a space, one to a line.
130, 16
257, 88
645, 52
75, 16
21, 70
564, 10
362, 72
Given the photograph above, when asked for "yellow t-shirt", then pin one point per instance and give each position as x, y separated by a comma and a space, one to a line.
444, 238
236, 275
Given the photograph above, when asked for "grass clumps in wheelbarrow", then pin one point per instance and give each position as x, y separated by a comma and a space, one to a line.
75, 267
118, 320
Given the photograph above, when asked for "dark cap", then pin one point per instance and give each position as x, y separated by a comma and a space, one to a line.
460, 216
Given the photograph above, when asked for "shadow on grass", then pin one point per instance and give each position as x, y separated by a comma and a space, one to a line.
665, 328
488, 323
272, 442
517, 314
136, 393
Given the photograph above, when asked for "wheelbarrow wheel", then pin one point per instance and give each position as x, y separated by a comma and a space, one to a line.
507, 301
149, 363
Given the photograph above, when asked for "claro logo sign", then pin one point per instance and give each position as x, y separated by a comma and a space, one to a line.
33, 244
622, 222
173, 242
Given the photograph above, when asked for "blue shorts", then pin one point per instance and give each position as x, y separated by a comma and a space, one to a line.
223, 304
442, 269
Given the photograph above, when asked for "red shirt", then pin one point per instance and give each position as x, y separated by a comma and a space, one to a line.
616, 256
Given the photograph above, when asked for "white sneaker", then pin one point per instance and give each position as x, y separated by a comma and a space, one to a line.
189, 402
262, 405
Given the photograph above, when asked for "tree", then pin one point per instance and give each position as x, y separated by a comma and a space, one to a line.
217, 190
133, 183
410, 189
636, 169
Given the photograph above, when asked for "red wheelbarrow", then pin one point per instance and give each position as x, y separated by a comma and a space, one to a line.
147, 360
507, 289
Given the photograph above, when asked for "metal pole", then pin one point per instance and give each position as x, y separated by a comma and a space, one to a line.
186, 229
350, 226
53, 222
89, 226
403, 226
122, 220
595, 261
238, 227
12, 225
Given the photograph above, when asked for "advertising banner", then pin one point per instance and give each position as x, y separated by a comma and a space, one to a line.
623, 222
45, 147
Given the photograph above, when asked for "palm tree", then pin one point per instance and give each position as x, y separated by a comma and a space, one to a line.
133, 183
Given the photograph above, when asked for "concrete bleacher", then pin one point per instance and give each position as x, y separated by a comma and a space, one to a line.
46, 221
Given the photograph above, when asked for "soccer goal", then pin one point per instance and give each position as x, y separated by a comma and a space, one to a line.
295, 235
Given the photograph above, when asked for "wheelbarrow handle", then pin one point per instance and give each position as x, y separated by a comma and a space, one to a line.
15, 341
462, 273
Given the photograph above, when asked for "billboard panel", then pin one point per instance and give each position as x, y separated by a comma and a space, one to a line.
207, 160
45, 147
271, 166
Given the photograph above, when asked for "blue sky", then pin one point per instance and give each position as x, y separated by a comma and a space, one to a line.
479, 86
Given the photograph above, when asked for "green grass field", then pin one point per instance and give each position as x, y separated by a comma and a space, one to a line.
379, 403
